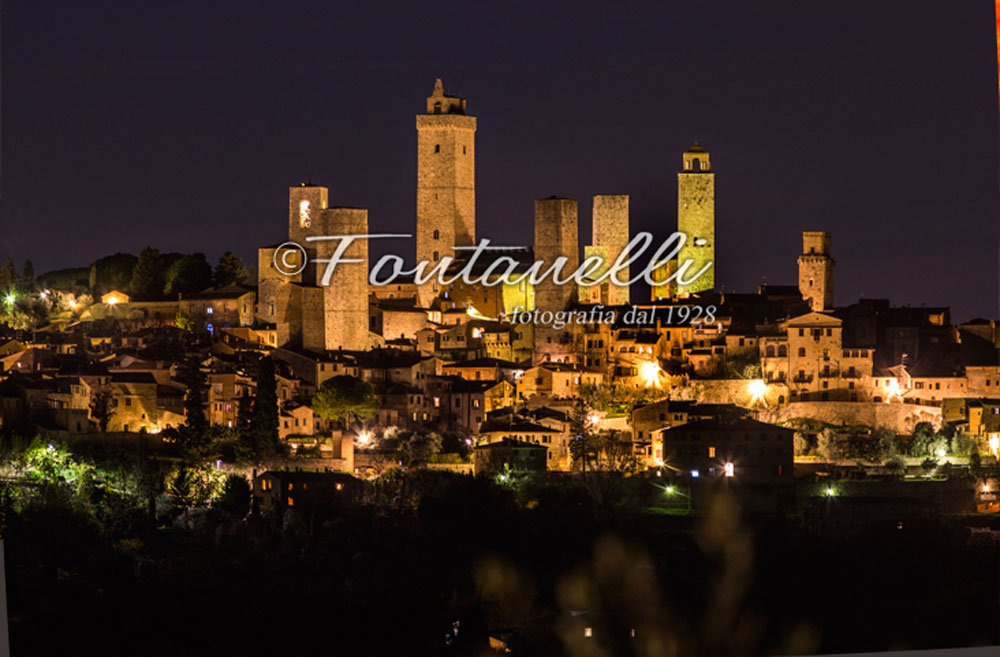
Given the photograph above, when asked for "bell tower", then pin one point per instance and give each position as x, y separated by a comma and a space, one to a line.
696, 219
446, 181
816, 270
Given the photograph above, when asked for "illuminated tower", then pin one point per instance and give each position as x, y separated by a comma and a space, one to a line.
816, 270
696, 219
609, 237
556, 235
446, 181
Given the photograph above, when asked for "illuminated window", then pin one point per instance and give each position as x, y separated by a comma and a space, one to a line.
588, 632
291, 502
209, 310
340, 486
305, 214
289, 486
729, 469
711, 452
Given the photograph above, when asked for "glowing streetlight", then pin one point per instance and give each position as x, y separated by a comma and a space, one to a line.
669, 490
994, 444
986, 488
112, 301
730, 469
941, 453
757, 388
364, 438
10, 299
72, 304
829, 492
650, 372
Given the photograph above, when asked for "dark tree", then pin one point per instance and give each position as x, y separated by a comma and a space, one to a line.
231, 270
8, 275
101, 409
260, 440
113, 272
28, 276
235, 496
187, 275
147, 277
344, 397
193, 433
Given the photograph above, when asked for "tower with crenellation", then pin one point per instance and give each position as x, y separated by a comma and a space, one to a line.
816, 270
696, 219
306, 312
446, 182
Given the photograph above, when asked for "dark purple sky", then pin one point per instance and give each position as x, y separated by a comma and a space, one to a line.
181, 125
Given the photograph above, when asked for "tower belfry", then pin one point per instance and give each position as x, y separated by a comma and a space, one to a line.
696, 219
446, 181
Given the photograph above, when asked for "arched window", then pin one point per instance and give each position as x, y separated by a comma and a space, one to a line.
782, 351
802, 352
437, 234
437, 148
696, 164
770, 351
437, 107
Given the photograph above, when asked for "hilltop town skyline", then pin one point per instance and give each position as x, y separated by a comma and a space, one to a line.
888, 146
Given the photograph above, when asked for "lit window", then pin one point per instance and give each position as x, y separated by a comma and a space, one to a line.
711, 452
588, 632
305, 214
291, 502
209, 310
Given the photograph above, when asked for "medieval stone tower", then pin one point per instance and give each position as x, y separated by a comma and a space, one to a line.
609, 236
816, 270
696, 219
446, 181
319, 317
556, 235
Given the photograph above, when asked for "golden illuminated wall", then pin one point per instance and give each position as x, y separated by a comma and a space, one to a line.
696, 219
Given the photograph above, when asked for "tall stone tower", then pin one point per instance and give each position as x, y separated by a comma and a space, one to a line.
556, 234
446, 181
319, 317
816, 270
696, 219
609, 236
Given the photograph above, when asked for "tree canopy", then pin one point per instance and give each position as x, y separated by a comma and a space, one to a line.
344, 397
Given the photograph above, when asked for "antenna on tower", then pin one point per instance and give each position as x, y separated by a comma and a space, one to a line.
309, 175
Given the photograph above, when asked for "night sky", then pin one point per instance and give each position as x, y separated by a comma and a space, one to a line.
181, 125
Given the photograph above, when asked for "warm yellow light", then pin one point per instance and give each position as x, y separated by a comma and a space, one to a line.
730, 469
994, 444
72, 304
364, 438
650, 372
892, 389
757, 388
472, 312
112, 301
986, 488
